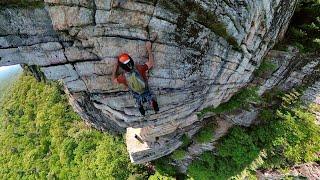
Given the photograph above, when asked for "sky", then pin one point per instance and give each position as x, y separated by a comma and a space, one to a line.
3, 68
6, 71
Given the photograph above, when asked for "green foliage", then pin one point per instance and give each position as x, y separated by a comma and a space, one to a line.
304, 30
142, 175
266, 115
314, 107
158, 176
289, 134
241, 99
235, 152
238, 146
4, 86
186, 141
297, 33
178, 154
269, 97
290, 98
7, 78
164, 167
42, 138
205, 134
265, 68
286, 136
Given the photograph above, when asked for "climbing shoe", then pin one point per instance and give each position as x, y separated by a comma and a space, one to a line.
155, 106
142, 111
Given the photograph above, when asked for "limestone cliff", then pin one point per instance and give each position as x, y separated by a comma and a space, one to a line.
206, 51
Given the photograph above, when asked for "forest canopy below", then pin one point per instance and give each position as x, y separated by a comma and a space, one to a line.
42, 138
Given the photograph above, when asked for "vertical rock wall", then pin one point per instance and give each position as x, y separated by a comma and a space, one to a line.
205, 52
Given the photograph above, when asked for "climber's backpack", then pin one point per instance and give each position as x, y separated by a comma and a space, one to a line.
135, 82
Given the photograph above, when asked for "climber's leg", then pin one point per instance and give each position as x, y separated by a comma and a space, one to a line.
155, 106
142, 111
152, 100
139, 102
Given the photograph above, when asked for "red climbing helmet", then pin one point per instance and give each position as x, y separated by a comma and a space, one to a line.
125, 62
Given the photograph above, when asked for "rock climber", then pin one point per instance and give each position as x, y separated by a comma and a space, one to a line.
135, 77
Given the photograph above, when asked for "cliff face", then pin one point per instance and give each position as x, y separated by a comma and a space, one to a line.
205, 52
291, 70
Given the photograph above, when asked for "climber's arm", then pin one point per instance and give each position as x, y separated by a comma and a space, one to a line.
150, 61
114, 72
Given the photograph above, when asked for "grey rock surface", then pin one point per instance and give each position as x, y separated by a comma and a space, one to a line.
302, 171
205, 52
293, 70
311, 97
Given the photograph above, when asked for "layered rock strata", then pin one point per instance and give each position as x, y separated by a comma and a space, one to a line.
205, 52
292, 70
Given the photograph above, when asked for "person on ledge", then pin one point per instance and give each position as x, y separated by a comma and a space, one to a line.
135, 78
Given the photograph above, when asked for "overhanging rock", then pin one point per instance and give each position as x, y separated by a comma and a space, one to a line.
205, 52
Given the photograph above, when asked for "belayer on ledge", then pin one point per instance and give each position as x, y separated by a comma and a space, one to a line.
135, 77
